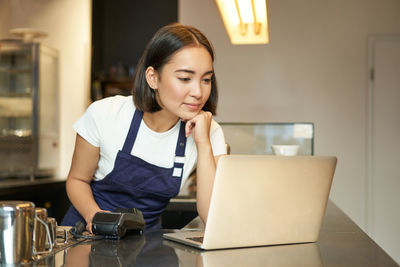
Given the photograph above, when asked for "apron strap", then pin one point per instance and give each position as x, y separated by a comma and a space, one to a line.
133, 130
180, 152
180, 145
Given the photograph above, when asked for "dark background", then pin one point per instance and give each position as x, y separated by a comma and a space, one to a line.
120, 31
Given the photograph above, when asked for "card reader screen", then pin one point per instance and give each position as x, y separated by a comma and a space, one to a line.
107, 217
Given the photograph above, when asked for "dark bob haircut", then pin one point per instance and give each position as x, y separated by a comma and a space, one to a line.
165, 42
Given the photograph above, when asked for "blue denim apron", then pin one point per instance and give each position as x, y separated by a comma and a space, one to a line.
135, 183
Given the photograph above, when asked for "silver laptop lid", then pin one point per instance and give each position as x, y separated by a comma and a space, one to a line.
261, 200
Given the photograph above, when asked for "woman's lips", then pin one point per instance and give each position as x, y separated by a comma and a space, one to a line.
192, 107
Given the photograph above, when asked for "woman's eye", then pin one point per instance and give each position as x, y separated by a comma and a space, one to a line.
184, 79
207, 80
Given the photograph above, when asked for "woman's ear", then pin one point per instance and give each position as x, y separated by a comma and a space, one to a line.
152, 78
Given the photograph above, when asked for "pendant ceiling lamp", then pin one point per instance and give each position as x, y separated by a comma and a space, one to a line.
245, 21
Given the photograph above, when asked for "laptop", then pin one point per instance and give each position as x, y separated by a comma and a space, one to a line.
260, 200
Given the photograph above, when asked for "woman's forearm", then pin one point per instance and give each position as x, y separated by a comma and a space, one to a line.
205, 172
81, 197
83, 167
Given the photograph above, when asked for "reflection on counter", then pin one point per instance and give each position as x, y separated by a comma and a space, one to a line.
284, 255
108, 253
63, 241
151, 250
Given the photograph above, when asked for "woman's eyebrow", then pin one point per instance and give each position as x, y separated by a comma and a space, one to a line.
185, 70
193, 72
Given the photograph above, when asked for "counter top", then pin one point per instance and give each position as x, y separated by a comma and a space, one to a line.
341, 243
7, 183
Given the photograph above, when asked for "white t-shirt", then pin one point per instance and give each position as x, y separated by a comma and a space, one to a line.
106, 123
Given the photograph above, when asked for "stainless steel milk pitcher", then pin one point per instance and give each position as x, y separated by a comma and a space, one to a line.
17, 222
16, 231
40, 231
52, 224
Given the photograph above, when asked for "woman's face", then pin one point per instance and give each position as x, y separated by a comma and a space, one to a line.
184, 84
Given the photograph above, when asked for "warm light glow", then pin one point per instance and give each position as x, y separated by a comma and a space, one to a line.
245, 20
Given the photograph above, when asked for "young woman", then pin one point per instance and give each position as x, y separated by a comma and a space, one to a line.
137, 151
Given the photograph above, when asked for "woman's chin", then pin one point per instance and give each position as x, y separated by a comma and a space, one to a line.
187, 116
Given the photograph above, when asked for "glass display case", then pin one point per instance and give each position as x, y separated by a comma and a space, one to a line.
29, 131
258, 138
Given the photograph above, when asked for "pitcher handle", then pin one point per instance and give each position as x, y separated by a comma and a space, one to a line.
48, 237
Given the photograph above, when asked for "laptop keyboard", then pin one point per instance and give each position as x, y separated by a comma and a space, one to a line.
197, 239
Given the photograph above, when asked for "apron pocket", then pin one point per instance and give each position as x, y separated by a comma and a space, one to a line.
161, 185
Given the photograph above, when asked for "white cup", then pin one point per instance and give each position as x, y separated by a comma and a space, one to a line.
285, 150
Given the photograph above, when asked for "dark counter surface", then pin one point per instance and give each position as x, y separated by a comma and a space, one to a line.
341, 243
46, 192
13, 182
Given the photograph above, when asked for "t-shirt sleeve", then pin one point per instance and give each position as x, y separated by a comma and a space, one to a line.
217, 139
88, 127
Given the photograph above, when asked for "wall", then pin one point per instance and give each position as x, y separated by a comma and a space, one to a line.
5, 16
315, 69
68, 23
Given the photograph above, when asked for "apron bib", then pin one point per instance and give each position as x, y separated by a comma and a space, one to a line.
135, 183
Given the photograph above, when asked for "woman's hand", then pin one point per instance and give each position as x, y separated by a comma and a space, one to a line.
199, 127
89, 219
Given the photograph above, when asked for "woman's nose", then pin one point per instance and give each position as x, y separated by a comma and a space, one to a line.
196, 90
